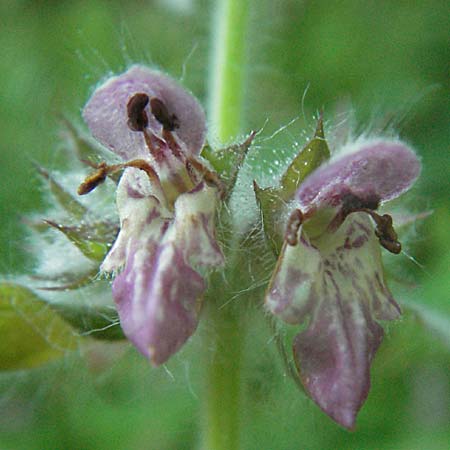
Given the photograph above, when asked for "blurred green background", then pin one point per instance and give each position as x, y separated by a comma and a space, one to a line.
389, 58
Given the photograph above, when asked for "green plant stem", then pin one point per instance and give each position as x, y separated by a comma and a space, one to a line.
225, 339
222, 402
228, 68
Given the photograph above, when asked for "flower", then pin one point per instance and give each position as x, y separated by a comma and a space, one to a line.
166, 199
329, 273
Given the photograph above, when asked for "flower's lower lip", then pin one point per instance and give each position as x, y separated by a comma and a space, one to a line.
156, 258
333, 282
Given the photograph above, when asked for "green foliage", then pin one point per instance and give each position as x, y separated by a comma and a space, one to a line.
228, 160
310, 157
32, 333
272, 200
92, 239
67, 281
65, 200
98, 322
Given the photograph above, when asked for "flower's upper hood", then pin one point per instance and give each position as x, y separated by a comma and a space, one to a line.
106, 112
373, 169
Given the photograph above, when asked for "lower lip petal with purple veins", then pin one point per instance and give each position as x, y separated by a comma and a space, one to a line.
194, 227
333, 356
158, 299
334, 283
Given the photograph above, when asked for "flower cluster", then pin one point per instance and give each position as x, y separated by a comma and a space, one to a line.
321, 221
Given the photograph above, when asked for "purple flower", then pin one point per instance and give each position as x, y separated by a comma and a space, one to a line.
329, 274
166, 199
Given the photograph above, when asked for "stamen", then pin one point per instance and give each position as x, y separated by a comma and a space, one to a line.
293, 225
172, 143
149, 143
169, 123
92, 181
146, 167
211, 178
352, 203
103, 170
162, 115
384, 231
137, 117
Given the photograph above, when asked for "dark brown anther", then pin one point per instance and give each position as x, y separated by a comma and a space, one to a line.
352, 203
384, 230
137, 117
92, 181
386, 234
103, 170
162, 115
293, 225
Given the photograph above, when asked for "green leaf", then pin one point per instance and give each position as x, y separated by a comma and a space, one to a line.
273, 201
32, 333
92, 239
83, 148
312, 155
68, 281
64, 199
99, 322
273, 215
228, 161
39, 226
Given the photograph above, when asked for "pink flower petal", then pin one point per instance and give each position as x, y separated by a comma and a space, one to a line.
106, 112
194, 227
140, 212
289, 293
334, 283
158, 299
334, 353
377, 169
158, 292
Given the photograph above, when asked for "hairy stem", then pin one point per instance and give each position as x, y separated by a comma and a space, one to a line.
228, 68
225, 339
223, 378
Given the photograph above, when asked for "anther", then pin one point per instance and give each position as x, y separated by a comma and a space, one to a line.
384, 230
103, 171
92, 181
352, 203
169, 123
137, 117
385, 233
162, 115
292, 227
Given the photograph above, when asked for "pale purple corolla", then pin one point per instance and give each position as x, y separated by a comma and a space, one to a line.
329, 275
166, 199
